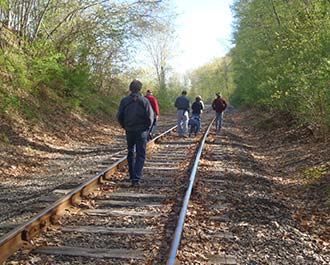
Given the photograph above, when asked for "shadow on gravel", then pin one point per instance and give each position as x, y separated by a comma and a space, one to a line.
233, 137
255, 199
17, 140
231, 143
260, 210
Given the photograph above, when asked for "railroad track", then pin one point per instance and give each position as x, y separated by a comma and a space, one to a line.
106, 221
21, 198
234, 215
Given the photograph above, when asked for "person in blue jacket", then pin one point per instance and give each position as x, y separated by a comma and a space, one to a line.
136, 116
194, 125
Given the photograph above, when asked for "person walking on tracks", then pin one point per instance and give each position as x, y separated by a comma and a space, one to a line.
136, 116
194, 125
197, 110
182, 104
219, 105
154, 104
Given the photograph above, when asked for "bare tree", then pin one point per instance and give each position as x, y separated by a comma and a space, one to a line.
159, 46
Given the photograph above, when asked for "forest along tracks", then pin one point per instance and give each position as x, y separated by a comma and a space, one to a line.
115, 223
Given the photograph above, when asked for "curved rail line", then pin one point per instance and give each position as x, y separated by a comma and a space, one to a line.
24, 234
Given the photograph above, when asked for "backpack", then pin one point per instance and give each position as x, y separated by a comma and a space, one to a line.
125, 111
196, 107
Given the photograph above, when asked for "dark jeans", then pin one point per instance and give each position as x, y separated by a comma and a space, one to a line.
136, 140
153, 127
152, 130
218, 121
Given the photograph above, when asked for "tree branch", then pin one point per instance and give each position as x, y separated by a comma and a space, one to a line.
69, 15
275, 13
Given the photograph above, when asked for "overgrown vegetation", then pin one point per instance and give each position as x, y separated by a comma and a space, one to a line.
316, 172
281, 59
77, 55
73, 55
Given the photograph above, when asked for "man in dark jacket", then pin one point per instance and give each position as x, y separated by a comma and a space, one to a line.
136, 116
182, 104
219, 105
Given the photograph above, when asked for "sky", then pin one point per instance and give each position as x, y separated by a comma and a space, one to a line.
204, 32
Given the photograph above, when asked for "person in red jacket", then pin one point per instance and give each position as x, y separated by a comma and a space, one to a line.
154, 104
219, 105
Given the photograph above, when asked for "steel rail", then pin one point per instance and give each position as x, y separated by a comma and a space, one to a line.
179, 228
22, 235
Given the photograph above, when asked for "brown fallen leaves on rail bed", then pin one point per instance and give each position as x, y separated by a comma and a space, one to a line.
278, 180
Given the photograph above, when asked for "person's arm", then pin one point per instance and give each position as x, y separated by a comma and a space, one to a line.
176, 103
225, 103
120, 113
156, 109
188, 104
150, 114
213, 104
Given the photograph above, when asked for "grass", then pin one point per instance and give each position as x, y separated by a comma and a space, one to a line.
315, 172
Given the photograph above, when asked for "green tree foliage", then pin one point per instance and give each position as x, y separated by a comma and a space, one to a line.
281, 58
211, 78
174, 88
78, 48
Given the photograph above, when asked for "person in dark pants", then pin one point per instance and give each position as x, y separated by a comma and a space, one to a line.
182, 104
197, 110
194, 125
136, 116
219, 105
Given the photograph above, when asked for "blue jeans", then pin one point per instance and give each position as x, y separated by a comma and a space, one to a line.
200, 121
136, 140
183, 118
218, 121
